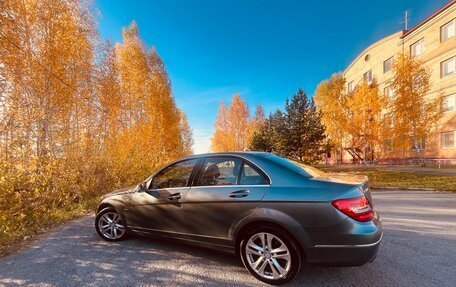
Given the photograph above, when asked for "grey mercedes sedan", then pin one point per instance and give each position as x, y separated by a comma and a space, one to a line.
272, 212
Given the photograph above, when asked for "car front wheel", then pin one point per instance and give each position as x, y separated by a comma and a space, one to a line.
109, 225
270, 255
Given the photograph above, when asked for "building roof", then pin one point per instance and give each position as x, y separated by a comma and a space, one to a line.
371, 46
402, 33
448, 5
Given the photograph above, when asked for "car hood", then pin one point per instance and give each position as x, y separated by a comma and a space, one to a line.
120, 191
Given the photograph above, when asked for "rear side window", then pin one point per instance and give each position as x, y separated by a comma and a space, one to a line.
251, 176
220, 171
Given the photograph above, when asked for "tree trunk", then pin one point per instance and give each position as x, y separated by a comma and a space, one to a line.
418, 151
417, 148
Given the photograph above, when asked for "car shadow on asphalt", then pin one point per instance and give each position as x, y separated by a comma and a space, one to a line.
87, 260
75, 255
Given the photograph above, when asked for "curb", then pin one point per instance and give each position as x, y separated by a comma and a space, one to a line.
390, 188
404, 188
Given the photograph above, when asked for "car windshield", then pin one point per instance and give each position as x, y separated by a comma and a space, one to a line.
295, 166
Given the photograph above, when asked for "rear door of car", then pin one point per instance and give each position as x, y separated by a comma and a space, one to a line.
225, 190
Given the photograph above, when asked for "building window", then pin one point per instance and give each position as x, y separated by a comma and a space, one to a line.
388, 120
448, 67
388, 91
416, 48
421, 145
388, 65
448, 30
449, 103
368, 76
447, 139
351, 87
388, 145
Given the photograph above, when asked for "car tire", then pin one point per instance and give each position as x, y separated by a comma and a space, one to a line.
110, 225
276, 264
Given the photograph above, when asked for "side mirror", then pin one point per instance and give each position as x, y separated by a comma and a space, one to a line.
147, 185
142, 186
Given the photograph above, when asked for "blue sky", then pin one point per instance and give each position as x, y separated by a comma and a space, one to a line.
262, 49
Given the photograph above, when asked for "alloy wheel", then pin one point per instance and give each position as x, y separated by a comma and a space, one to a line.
111, 226
268, 255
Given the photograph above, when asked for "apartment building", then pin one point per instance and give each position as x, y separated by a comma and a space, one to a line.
433, 41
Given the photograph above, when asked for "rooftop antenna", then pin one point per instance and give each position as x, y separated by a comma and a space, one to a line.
406, 19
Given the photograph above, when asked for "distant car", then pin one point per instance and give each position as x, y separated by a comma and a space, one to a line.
273, 212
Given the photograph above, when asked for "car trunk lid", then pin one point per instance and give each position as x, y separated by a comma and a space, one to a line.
358, 180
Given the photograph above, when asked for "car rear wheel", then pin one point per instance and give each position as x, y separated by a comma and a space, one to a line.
109, 225
270, 255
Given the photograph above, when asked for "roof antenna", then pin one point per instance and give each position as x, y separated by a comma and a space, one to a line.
406, 19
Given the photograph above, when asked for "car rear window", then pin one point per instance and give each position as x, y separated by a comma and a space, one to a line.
297, 167
314, 172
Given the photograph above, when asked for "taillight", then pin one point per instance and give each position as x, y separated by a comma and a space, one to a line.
357, 208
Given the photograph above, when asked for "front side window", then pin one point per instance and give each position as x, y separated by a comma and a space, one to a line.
388, 65
251, 176
176, 175
416, 48
448, 30
449, 103
448, 67
368, 76
220, 171
447, 139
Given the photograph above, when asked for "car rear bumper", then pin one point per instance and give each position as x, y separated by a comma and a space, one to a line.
343, 255
356, 247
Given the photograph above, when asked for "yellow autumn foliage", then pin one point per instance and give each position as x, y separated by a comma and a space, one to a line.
415, 114
233, 127
364, 116
331, 100
77, 118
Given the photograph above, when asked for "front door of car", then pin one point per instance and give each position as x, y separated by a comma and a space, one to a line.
158, 208
225, 190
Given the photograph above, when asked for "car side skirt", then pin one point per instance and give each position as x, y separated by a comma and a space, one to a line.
208, 242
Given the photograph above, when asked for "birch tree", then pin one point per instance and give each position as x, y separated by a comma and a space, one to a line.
231, 126
415, 113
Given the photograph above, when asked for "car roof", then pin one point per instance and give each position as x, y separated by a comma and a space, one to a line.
232, 153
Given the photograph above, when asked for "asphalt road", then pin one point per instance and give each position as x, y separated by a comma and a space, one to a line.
419, 249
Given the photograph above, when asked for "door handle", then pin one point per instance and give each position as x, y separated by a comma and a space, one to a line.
239, 193
174, 196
